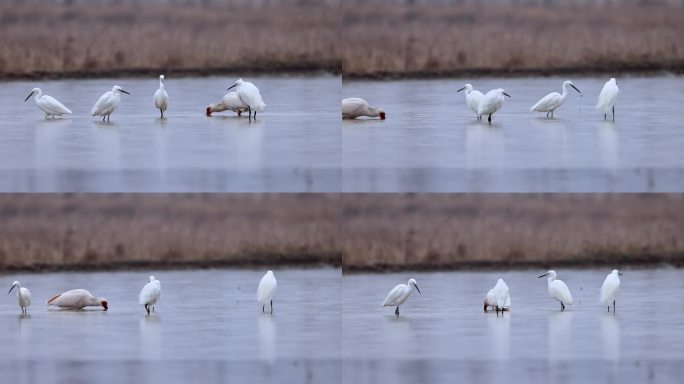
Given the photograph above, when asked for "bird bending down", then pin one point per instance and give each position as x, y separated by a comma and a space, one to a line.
491, 102
473, 98
398, 295
250, 96
553, 100
161, 98
356, 107
610, 288
48, 104
557, 289
229, 102
266, 290
498, 298
77, 299
150, 294
23, 297
608, 98
108, 102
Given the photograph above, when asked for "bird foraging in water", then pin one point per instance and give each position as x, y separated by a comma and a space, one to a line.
108, 102
23, 297
473, 98
557, 289
250, 96
608, 98
161, 98
356, 107
77, 299
553, 100
48, 104
266, 290
398, 295
610, 288
229, 102
150, 294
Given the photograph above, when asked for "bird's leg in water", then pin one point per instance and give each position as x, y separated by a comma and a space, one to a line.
608, 308
547, 114
162, 113
396, 311
255, 115
104, 117
249, 109
263, 308
613, 306
271, 307
239, 113
613, 113
147, 308
489, 118
108, 117
152, 309
605, 116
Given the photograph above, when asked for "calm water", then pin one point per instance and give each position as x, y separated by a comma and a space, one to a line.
207, 324
431, 142
294, 146
443, 335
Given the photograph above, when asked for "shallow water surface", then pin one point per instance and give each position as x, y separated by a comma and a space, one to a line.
444, 335
293, 146
207, 324
431, 142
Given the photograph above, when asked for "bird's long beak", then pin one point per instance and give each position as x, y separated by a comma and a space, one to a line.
418, 289
125, 92
8, 292
233, 86
507, 94
460, 89
576, 89
27, 97
546, 274
620, 273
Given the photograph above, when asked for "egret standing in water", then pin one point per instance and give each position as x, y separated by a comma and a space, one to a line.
48, 104
161, 98
150, 294
249, 94
229, 102
473, 98
608, 97
498, 297
266, 290
558, 290
491, 102
77, 299
610, 288
398, 295
356, 107
553, 100
23, 297
108, 102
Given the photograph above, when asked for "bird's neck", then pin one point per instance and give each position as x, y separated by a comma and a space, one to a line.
374, 112
161, 84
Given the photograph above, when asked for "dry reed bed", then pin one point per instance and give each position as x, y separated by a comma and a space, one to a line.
101, 231
94, 38
384, 39
431, 231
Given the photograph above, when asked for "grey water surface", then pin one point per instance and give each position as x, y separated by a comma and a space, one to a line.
431, 142
443, 335
293, 146
207, 324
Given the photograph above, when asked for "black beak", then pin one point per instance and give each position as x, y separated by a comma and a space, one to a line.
460, 89
125, 92
576, 89
233, 86
27, 97
507, 94
542, 276
418, 289
8, 292
620, 273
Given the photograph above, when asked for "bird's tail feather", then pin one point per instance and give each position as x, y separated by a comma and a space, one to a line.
53, 298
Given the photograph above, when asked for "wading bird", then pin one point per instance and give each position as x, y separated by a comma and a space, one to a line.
77, 299
23, 297
249, 95
491, 102
266, 290
608, 97
107, 103
398, 295
557, 289
472, 98
229, 102
48, 104
553, 100
610, 288
149, 294
161, 98
355, 107
498, 298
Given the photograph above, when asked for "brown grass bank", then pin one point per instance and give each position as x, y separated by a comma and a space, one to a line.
436, 231
384, 39
41, 38
93, 231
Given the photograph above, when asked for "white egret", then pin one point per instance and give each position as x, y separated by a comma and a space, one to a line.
491, 102
161, 98
498, 298
249, 94
149, 294
553, 100
23, 296
473, 98
608, 97
398, 295
107, 103
356, 107
229, 102
48, 104
266, 290
77, 299
557, 289
610, 288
